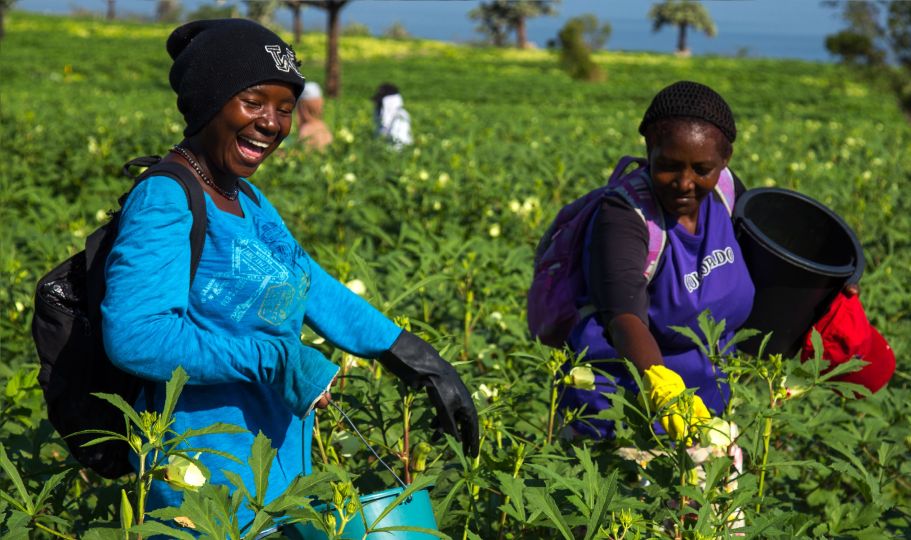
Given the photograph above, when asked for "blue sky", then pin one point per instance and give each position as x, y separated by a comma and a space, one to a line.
793, 28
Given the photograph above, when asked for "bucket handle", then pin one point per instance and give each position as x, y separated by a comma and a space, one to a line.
277, 528
367, 444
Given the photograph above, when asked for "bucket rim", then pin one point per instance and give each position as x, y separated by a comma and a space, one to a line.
322, 506
391, 492
852, 272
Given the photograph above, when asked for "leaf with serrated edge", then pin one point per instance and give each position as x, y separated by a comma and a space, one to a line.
150, 528
173, 389
121, 405
261, 456
13, 475
409, 528
546, 505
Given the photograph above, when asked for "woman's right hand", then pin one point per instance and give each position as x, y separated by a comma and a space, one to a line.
324, 399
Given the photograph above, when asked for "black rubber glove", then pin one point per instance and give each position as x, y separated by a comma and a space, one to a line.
417, 364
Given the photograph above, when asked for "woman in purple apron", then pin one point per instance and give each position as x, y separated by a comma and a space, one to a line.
689, 130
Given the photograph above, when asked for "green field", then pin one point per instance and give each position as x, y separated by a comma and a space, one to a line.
442, 233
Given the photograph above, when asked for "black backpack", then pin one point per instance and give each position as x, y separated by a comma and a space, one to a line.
67, 331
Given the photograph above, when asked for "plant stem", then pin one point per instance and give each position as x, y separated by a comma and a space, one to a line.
52, 531
766, 435
141, 490
466, 333
552, 414
406, 446
515, 474
319, 439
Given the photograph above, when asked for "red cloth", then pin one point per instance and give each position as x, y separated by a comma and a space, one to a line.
846, 333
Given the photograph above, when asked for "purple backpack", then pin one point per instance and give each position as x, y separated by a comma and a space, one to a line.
559, 278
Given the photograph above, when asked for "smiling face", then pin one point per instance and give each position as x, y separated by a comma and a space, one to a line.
249, 127
685, 158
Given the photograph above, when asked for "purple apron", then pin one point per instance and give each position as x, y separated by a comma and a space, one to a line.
697, 272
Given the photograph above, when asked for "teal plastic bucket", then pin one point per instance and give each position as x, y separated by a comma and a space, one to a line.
415, 511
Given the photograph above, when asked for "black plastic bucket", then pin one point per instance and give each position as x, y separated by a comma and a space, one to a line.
800, 255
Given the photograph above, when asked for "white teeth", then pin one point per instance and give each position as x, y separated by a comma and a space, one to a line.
255, 143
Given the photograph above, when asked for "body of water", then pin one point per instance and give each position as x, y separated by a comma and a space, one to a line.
759, 28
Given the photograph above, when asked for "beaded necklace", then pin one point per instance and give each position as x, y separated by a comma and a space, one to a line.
230, 195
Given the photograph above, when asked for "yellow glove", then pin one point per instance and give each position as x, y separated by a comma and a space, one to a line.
660, 386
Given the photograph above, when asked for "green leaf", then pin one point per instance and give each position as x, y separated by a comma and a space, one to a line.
100, 440
173, 389
714, 471
543, 502
17, 525
390, 305
420, 483
151, 528
572, 484
18, 505
514, 489
237, 482
606, 490
25, 499
121, 405
218, 427
443, 508
203, 450
690, 333
126, 513
739, 337
103, 532
261, 456
408, 528
48, 486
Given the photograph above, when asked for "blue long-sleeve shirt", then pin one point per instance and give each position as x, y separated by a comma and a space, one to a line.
234, 330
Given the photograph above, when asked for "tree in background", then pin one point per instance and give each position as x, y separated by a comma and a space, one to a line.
683, 14
575, 55
261, 11
859, 43
498, 17
899, 32
333, 9
5, 5
167, 11
899, 24
297, 23
214, 11
594, 33
493, 21
867, 38
396, 30
111, 12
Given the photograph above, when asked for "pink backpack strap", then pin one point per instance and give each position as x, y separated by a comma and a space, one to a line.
726, 191
636, 189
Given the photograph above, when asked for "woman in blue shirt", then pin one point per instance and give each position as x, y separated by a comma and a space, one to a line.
235, 327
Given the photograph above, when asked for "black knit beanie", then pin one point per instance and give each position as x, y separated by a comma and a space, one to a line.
215, 59
686, 98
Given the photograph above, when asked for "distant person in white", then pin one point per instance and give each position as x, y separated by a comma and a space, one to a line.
312, 131
392, 120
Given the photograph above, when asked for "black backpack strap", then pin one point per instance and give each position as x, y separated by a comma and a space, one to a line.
144, 161
247, 190
196, 198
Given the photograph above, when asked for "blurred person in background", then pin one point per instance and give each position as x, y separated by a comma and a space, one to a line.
312, 130
392, 120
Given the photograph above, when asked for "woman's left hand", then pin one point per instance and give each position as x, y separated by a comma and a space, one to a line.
418, 364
